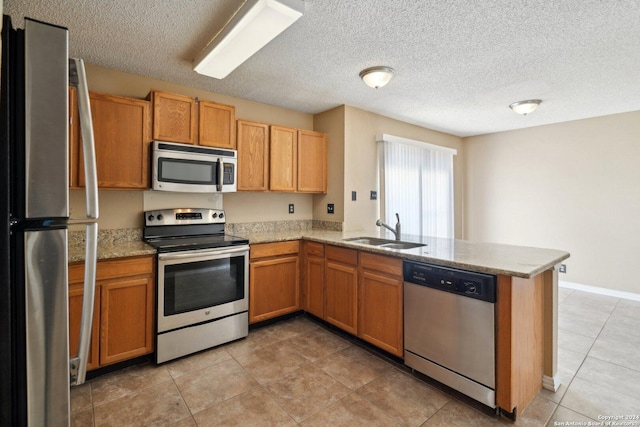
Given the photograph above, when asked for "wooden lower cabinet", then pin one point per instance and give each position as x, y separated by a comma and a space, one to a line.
123, 320
313, 278
341, 288
274, 280
380, 311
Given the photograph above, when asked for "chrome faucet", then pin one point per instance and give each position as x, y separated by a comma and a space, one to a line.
379, 223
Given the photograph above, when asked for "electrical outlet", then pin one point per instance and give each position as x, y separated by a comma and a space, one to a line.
353, 196
330, 208
374, 195
563, 268
291, 209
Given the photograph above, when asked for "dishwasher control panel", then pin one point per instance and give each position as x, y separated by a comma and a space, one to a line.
461, 282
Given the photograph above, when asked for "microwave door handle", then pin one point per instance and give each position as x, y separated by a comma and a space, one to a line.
220, 174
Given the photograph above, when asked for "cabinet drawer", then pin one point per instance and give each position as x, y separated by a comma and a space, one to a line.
264, 250
314, 249
381, 263
108, 269
347, 256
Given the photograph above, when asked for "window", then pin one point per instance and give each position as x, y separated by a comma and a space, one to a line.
417, 183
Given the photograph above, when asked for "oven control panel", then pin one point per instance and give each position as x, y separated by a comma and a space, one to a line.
188, 216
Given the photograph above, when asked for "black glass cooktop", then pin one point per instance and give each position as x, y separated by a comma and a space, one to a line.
188, 243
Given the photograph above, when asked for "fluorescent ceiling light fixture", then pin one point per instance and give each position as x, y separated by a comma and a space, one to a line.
255, 24
377, 77
525, 107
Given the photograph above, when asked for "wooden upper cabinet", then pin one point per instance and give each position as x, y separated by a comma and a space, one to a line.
121, 128
174, 117
312, 161
217, 125
253, 156
283, 159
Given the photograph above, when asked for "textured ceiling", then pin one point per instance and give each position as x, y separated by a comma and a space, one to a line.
458, 63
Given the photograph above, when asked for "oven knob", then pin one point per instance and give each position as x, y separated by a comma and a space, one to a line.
150, 217
159, 217
207, 312
221, 215
215, 215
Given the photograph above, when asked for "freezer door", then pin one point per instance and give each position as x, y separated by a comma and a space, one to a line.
46, 121
46, 312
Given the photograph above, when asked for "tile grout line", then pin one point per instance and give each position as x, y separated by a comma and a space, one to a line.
581, 364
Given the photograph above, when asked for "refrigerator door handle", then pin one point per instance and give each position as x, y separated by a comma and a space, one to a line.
78, 365
77, 77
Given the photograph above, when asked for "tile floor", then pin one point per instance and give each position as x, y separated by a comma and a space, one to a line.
296, 372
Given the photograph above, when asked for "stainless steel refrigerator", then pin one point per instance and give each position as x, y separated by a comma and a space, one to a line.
36, 370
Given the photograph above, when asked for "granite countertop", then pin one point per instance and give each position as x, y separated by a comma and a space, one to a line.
492, 258
111, 244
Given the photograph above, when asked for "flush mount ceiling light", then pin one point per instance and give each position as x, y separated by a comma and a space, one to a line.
525, 107
377, 77
255, 24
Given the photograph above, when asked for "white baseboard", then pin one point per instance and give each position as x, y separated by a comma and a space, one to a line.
598, 290
551, 383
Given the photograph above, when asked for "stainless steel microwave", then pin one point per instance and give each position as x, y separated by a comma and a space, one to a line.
193, 169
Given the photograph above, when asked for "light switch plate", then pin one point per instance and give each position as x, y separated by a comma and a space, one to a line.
353, 196
330, 208
291, 208
374, 195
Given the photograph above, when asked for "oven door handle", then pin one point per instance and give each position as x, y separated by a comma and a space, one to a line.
205, 253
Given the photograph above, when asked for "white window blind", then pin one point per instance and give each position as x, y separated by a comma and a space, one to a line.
417, 183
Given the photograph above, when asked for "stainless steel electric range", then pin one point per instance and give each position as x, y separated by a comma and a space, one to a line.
202, 278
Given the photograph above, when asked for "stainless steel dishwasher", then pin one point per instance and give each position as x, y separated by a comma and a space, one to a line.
449, 327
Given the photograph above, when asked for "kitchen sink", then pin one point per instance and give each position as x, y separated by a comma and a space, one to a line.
369, 241
384, 243
401, 245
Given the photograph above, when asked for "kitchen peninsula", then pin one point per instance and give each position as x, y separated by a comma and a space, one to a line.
526, 307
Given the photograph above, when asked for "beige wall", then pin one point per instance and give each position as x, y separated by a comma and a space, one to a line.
331, 122
123, 209
573, 186
361, 165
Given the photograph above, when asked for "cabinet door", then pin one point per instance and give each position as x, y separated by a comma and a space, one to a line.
273, 287
121, 131
284, 161
174, 117
341, 288
381, 311
217, 125
314, 286
253, 156
126, 318
381, 304
76, 293
312, 162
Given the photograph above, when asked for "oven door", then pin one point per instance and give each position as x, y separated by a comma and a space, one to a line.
201, 286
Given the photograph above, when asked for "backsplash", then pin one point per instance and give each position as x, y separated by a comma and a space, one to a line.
110, 236
272, 226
